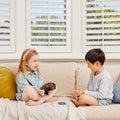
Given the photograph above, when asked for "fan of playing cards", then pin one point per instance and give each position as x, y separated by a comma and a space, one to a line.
48, 86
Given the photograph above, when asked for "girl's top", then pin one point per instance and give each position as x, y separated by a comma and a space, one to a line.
33, 79
100, 86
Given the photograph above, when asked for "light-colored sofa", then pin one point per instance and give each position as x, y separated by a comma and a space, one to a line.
68, 77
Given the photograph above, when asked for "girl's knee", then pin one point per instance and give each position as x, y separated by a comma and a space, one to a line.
26, 95
28, 90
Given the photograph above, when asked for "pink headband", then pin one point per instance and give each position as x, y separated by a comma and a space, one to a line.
32, 49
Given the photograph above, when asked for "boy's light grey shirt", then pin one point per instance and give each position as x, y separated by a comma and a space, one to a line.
100, 86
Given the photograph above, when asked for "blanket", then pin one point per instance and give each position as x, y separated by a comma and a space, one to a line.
17, 110
76, 113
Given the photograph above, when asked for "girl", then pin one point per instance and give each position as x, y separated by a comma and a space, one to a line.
29, 80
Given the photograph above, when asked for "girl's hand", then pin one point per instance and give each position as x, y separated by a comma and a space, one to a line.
41, 92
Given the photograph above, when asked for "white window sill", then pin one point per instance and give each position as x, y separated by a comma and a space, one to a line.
57, 57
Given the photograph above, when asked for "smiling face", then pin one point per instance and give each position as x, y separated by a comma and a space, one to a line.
33, 63
96, 68
91, 66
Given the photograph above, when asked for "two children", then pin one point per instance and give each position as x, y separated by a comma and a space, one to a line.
29, 80
100, 86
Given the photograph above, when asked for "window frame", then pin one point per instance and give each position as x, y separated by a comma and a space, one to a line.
107, 46
9, 46
50, 49
76, 53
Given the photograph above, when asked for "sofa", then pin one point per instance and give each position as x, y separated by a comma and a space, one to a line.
68, 77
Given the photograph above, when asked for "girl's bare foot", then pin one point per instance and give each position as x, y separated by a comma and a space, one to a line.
53, 99
33, 103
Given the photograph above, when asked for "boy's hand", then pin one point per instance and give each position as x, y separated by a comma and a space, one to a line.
81, 91
77, 93
41, 92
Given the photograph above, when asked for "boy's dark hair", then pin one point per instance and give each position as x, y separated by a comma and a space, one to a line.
94, 55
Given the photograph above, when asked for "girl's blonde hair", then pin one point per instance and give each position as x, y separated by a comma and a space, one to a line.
26, 56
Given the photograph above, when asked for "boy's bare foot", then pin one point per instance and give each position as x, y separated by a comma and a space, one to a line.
76, 103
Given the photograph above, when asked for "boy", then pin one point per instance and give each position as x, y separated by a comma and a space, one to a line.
100, 86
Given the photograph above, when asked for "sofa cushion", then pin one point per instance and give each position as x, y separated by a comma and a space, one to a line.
82, 77
83, 74
116, 92
63, 74
114, 72
109, 112
12, 66
7, 83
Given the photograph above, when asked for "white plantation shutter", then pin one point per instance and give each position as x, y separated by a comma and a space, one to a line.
7, 43
101, 25
49, 25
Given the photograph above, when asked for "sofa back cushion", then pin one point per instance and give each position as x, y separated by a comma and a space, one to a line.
114, 72
12, 66
63, 74
82, 77
83, 73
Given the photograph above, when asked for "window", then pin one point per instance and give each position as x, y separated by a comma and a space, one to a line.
49, 25
7, 41
59, 29
101, 25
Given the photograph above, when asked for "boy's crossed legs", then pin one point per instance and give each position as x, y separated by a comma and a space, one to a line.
85, 100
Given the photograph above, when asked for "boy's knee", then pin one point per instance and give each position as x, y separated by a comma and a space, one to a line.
83, 97
89, 100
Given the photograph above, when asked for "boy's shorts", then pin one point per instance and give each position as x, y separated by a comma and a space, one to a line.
103, 102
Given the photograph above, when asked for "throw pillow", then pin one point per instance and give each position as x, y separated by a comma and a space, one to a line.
7, 83
116, 92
